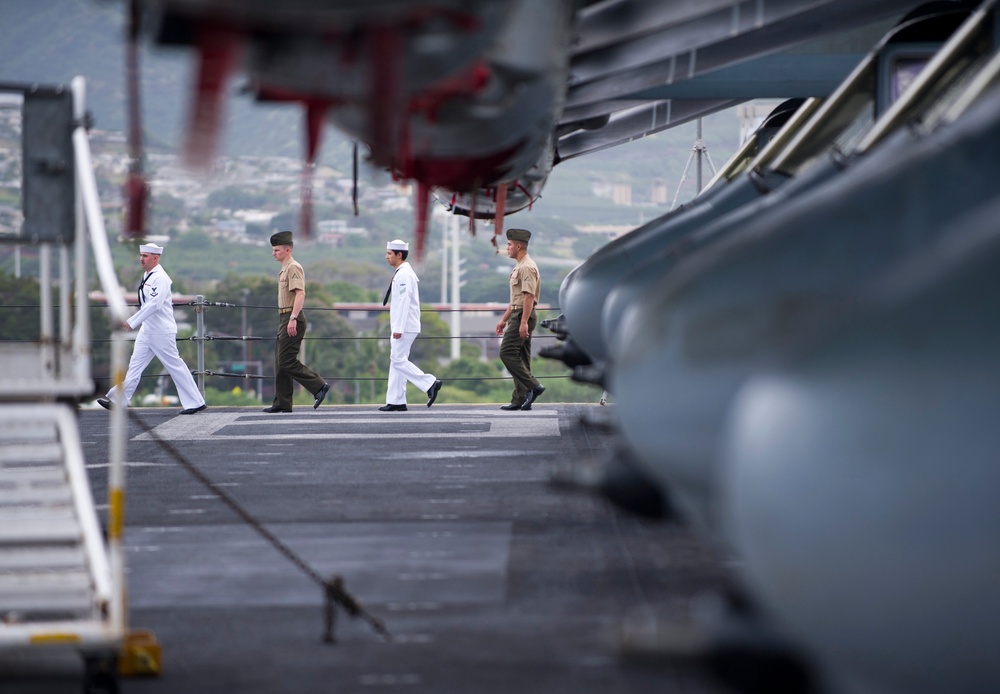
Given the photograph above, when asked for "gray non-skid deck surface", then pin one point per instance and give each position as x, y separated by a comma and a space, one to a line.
442, 523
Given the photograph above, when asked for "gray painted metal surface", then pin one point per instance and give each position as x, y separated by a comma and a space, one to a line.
488, 578
859, 474
594, 296
704, 328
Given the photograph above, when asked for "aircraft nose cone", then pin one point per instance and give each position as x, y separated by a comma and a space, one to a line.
858, 482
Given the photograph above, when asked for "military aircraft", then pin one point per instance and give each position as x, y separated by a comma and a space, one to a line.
858, 469
703, 326
593, 297
796, 328
477, 100
810, 391
819, 142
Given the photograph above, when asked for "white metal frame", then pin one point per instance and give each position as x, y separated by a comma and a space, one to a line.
68, 374
101, 629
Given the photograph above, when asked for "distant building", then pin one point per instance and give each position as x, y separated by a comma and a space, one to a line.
158, 239
230, 227
258, 217
333, 231
658, 193
621, 194
11, 220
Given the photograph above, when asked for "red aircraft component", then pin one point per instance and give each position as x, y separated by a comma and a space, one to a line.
456, 95
136, 192
218, 52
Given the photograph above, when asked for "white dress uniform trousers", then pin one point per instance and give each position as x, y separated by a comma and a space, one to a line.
404, 317
157, 337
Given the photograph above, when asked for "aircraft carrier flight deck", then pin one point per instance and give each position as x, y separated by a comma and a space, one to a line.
443, 524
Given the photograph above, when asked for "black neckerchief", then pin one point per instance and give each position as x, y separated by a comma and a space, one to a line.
388, 292
141, 294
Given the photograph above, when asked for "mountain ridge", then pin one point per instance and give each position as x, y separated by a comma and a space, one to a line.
51, 41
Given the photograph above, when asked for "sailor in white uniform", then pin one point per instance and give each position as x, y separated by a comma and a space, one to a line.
157, 336
404, 321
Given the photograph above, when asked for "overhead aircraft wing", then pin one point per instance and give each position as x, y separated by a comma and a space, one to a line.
476, 100
637, 68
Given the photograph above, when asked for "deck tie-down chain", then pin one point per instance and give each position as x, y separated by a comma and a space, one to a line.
334, 593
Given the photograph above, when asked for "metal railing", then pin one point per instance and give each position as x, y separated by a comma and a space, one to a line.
92, 226
203, 336
63, 218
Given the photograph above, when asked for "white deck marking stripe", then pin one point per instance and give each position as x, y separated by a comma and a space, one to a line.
206, 427
441, 413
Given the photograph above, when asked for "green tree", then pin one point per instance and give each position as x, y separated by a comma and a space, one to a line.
433, 341
473, 375
20, 317
365, 369
236, 198
285, 220
165, 212
347, 292
258, 232
426, 349
485, 286
332, 351
196, 240
373, 276
235, 396
331, 348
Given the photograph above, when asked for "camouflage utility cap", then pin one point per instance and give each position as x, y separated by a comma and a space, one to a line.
282, 238
521, 235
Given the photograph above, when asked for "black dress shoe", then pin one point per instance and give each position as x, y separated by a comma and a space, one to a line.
193, 410
321, 395
392, 408
274, 409
511, 406
532, 395
104, 402
432, 392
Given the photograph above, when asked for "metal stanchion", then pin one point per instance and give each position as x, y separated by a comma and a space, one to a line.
199, 309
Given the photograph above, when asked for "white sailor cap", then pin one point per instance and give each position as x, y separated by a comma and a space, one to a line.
151, 248
397, 245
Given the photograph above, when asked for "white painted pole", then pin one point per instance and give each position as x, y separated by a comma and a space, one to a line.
445, 231
456, 284
92, 209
